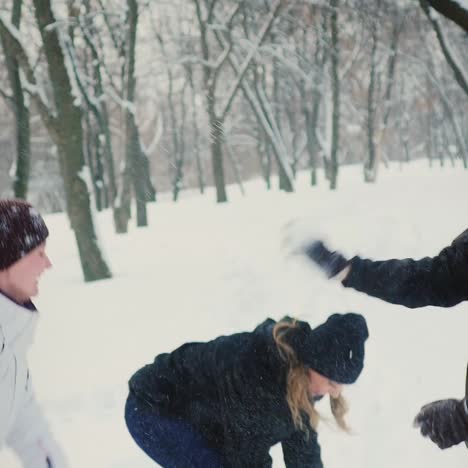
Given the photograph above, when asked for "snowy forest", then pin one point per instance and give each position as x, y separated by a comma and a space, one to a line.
109, 104
184, 154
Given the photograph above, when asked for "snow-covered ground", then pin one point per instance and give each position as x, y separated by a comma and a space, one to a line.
202, 269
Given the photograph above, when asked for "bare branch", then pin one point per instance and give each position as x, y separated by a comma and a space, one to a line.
457, 69
260, 38
10, 39
10, 101
452, 10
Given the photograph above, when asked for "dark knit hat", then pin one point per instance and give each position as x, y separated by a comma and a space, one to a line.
334, 349
22, 229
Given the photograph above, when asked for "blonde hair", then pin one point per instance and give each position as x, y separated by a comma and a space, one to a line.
297, 394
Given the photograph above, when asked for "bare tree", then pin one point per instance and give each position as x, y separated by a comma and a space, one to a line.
210, 78
135, 173
64, 124
97, 105
255, 92
21, 111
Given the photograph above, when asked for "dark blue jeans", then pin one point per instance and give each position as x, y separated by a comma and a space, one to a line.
171, 443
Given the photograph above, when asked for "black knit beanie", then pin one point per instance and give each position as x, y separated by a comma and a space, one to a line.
22, 229
334, 349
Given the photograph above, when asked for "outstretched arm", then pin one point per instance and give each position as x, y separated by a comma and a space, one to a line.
438, 281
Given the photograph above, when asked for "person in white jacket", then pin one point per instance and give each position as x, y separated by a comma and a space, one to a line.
23, 259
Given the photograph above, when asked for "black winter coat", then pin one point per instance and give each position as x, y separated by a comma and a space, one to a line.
233, 391
438, 281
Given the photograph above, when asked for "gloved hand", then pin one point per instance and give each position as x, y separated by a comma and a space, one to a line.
445, 422
330, 262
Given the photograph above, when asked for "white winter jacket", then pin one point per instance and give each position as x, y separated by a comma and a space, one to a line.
22, 424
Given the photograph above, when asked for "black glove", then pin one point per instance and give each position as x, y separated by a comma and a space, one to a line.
330, 262
445, 422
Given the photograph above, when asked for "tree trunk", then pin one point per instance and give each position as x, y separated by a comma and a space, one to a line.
196, 137
311, 117
174, 155
266, 159
235, 168
430, 139
335, 79
122, 209
265, 116
215, 123
370, 167
217, 120
133, 147
69, 140
387, 106
101, 113
89, 150
268, 162
216, 145
21, 111
296, 145
456, 131
283, 182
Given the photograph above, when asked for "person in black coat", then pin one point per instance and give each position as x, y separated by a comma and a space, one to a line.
440, 281
226, 402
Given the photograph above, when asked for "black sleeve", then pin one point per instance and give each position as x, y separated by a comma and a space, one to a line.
438, 281
302, 450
